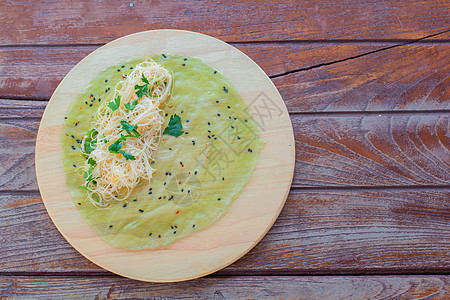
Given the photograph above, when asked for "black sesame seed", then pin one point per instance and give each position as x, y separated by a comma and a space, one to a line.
165, 183
150, 193
159, 198
159, 236
185, 59
170, 173
174, 232
250, 150
118, 70
232, 126
90, 104
150, 189
110, 226
166, 114
79, 203
238, 138
72, 136
170, 148
187, 121
73, 147
195, 173
171, 227
223, 178
163, 55
225, 89
215, 72
183, 65
141, 210
193, 142
74, 166
217, 101
85, 102
65, 118
193, 226
106, 91
167, 173
124, 205
218, 114
150, 234
131, 68
106, 80
228, 106
123, 66
186, 132
209, 131
218, 199
182, 190
209, 123
245, 120
134, 200
76, 124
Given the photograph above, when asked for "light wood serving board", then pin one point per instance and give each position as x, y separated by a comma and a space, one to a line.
251, 214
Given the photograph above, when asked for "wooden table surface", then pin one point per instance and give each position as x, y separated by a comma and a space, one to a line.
367, 87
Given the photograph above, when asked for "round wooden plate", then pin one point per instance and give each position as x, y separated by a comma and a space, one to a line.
251, 214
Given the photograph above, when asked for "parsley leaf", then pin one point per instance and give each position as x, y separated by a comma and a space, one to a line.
129, 129
174, 127
131, 105
141, 90
127, 155
144, 80
114, 104
117, 145
92, 162
90, 141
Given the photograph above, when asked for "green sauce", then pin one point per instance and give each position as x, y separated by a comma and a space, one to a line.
198, 174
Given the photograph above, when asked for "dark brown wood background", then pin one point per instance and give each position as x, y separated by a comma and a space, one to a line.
367, 86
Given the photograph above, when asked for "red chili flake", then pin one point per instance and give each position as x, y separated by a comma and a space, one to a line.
81, 107
177, 212
179, 182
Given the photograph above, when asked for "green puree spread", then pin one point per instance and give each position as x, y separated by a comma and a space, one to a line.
198, 174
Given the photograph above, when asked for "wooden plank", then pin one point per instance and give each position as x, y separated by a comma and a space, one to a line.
35, 72
239, 287
331, 151
409, 77
49, 22
318, 232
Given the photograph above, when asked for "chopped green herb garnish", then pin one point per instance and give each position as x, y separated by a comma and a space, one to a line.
130, 129
114, 104
90, 141
174, 127
127, 155
144, 80
141, 90
131, 105
117, 145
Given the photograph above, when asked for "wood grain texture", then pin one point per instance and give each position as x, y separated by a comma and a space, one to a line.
318, 232
49, 22
35, 72
273, 287
331, 151
408, 77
